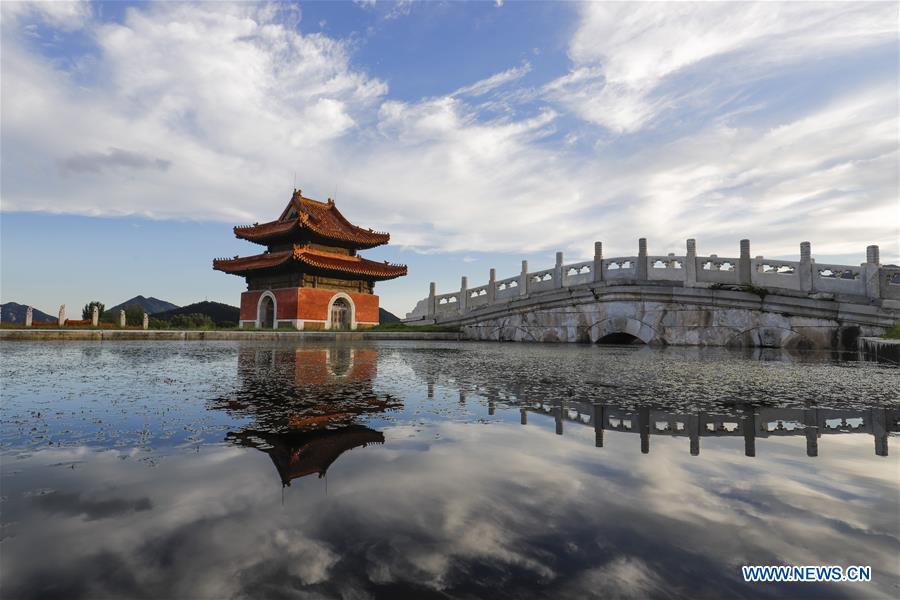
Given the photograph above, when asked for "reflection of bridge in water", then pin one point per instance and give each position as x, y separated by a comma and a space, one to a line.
752, 423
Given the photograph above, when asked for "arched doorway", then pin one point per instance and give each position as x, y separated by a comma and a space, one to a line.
266, 312
340, 314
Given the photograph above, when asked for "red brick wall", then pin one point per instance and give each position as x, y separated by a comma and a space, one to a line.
249, 302
309, 304
314, 304
366, 307
287, 303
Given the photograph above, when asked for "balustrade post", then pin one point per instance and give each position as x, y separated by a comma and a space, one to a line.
743, 266
95, 316
879, 422
62, 315
599, 418
122, 318
811, 429
492, 287
431, 309
690, 264
807, 283
644, 428
748, 424
694, 434
558, 273
523, 279
463, 294
872, 273
146, 322
598, 261
29, 316
642, 260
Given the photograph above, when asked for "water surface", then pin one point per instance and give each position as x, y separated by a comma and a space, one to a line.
444, 470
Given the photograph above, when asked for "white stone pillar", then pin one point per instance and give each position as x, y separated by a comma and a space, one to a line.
872, 273
641, 274
806, 268
95, 316
122, 318
523, 279
598, 261
492, 286
690, 264
62, 315
146, 322
558, 274
743, 266
463, 294
430, 309
29, 316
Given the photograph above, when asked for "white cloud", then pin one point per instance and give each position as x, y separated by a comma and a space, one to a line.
488, 84
207, 110
62, 14
623, 53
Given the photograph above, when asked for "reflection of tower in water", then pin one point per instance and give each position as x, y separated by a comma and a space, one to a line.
305, 404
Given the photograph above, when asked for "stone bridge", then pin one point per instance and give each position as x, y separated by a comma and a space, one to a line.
678, 299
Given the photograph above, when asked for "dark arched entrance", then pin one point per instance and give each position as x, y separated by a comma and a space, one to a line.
340, 314
267, 313
619, 338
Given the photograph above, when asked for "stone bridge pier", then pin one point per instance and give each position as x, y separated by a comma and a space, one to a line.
679, 300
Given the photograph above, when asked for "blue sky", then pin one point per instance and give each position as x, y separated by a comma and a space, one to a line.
134, 135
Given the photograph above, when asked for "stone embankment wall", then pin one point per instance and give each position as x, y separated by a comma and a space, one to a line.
236, 335
687, 299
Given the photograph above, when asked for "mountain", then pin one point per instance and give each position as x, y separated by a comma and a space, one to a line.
13, 312
150, 305
387, 317
218, 312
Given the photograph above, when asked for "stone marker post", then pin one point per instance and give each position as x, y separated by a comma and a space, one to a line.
431, 308
492, 286
558, 273
872, 272
29, 315
463, 294
62, 315
122, 318
598, 261
743, 266
806, 268
146, 321
641, 274
523, 279
95, 316
690, 264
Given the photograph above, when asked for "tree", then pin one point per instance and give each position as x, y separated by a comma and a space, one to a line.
88, 310
134, 314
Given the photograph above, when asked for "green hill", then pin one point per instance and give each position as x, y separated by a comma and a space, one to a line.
151, 305
387, 317
218, 312
13, 312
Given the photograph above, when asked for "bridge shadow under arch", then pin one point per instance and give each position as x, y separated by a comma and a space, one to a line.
624, 330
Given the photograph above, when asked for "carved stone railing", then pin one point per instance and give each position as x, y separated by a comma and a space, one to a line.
870, 282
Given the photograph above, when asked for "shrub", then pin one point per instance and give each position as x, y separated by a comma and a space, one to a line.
894, 332
192, 321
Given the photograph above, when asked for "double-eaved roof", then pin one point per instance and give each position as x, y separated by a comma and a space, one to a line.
321, 219
301, 237
325, 261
